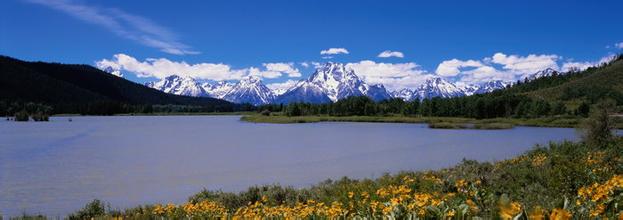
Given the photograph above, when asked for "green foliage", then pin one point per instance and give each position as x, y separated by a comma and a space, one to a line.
91, 210
28, 217
599, 127
21, 116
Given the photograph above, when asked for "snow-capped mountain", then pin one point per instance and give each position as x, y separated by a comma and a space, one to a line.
404, 94
113, 71
217, 90
329, 83
543, 73
250, 90
178, 85
437, 87
489, 87
469, 89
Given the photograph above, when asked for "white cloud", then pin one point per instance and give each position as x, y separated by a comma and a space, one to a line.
576, 66
606, 59
389, 53
161, 68
497, 67
579, 66
393, 75
619, 45
282, 87
452, 67
287, 68
333, 51
304, 64
525, 65
123, 24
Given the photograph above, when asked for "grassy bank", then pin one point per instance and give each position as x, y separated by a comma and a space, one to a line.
557, 180
434, 122
165, 114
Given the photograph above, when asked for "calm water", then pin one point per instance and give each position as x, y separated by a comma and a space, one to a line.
55, 168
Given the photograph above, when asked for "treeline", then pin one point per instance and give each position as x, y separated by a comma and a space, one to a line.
477, 106
25, 111
12, 108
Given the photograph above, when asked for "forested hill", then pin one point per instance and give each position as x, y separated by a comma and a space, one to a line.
591, 85
72, 88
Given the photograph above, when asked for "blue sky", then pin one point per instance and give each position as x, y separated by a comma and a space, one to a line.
226, 40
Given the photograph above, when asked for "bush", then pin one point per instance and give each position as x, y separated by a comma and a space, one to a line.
39, 116
265, 112
21, 116
598, 128
91, 210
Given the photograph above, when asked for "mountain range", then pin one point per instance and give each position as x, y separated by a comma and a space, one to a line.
330, 82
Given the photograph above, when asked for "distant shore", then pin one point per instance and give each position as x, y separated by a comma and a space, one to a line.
433, 122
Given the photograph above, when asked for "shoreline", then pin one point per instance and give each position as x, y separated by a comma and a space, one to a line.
433, 122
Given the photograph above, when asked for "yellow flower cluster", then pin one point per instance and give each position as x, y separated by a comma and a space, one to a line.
200, 209
397, 201
538, 160
560, 214
509, 210
311, 208
600, 194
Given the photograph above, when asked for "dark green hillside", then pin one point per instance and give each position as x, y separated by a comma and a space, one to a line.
74, 88
589, 86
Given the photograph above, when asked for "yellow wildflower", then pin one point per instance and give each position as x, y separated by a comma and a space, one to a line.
560, 214
508, 211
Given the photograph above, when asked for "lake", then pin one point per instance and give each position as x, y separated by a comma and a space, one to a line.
55, 168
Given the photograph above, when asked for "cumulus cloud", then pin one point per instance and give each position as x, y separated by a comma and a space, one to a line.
122, 24
579, 66
389, 53
576, 66
525, 64
334, 51
452, 67
497, 67
619, 45
286, 68
393, 75
161, 68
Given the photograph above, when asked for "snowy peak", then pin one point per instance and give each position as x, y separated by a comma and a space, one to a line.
543, 73
405, 94
490, 86
437, 87
113, 71
330, 83
337, 81
250, 90
177, 85
218, 89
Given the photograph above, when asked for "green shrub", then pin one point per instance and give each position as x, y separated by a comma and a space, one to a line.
39, 116
91, 210
21, 116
